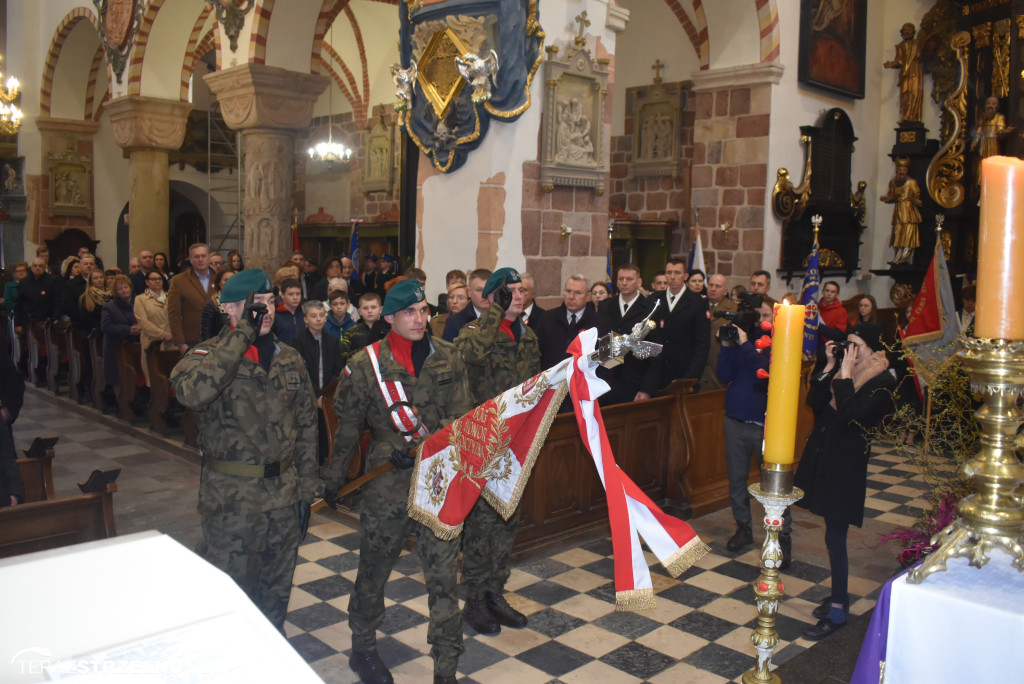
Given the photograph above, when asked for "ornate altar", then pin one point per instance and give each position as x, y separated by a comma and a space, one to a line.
657, 117
825, 190
571, 132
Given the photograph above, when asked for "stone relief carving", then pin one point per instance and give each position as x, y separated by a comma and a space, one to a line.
657, 118
70, 184
379, 165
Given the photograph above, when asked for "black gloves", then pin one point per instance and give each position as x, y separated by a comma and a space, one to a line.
330, 492
304, 511
254, 312
503, 295
402, 460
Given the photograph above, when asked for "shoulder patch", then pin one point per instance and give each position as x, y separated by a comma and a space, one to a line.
707, 313
200, 351
348, 371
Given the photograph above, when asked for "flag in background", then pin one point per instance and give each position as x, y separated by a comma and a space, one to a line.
353, 252
809, 298
608, 267
697, 257
295, 236
932, 323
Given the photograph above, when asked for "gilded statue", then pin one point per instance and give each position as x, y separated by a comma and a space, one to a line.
990, 130
905, 194
911, 77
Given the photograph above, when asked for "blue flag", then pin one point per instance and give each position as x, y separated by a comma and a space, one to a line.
809, 298
353, 252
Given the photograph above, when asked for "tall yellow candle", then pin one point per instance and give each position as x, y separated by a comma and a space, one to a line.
1000, 313
784, 384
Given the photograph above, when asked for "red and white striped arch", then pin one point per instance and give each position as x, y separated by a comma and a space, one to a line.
67, 24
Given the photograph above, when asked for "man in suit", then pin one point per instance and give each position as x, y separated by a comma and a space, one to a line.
531, 311
139, 275
559, 326
684, 328
622, 313
718, 300
477, 281
188, 292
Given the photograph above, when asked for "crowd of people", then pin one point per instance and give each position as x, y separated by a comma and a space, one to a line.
259, 351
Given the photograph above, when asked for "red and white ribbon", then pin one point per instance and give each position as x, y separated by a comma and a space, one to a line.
403, 417
631, 513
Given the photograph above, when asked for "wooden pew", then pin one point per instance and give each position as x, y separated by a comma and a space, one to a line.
96, 357
36, 349
56, 354
78, 362
355, 466
61, 522
160, 362
36, 469
129, 370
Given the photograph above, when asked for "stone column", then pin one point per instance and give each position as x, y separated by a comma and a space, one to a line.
268, 105
149, 129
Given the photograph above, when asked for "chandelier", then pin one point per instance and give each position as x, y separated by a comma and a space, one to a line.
10, 113
327, 150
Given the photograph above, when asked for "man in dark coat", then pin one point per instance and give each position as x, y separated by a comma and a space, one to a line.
12, 395
532, 312
321, 353
621, 313
37, 296
684, 330
560, 326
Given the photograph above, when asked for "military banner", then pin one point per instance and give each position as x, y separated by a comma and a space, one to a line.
489, 452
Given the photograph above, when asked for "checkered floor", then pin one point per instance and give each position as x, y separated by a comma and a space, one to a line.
699, 631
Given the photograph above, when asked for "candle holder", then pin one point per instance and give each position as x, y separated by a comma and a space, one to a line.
992, 517
776, 493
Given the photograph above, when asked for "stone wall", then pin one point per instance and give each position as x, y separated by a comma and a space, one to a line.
655, 198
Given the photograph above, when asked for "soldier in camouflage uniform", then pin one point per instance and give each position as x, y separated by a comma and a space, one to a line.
500, 352
432, 375
258, 434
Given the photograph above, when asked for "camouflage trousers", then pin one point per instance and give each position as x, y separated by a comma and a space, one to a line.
258, 551
386, 526
487, 540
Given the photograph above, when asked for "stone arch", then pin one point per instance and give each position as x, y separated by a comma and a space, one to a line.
92, 109
196, 48
697, 34
182, 13
260, 27
768, 22
60, 35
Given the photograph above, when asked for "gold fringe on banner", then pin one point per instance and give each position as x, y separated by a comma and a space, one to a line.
634, 599
681, 561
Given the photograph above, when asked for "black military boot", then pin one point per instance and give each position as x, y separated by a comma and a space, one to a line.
479, 617
441, 679
503, 612
786, 542
370, 668
741, 538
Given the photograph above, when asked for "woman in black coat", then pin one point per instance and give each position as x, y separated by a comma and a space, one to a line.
849, 399
118, 323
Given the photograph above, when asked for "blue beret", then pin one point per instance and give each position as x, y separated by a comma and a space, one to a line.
402, 295
494, 282
388, 258
239, 285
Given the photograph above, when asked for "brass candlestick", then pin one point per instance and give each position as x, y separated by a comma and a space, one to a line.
776, 493
993, 517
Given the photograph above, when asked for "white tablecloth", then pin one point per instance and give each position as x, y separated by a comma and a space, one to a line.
141, 604
959, 626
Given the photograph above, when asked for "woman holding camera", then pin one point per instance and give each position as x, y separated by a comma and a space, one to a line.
849, 397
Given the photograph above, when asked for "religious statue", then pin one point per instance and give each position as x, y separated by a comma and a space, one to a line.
10, 178
572, 137
479, 72
905, 194
911, 78
990, 130
403, 80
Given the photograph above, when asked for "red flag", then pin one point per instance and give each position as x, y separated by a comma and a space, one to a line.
932, 326
295, 238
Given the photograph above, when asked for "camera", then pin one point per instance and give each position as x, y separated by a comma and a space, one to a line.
839, 350
746, 316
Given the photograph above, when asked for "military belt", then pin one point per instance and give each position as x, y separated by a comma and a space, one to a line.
246, 470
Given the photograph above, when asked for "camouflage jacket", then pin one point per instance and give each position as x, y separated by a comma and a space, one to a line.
362, 335
440, 394
253, 417
496, 362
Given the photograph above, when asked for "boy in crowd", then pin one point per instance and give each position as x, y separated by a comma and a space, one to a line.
368, 330
338, 320
288, 319
322, 355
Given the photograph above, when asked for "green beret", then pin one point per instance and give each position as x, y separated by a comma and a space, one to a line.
239, 285
402, 295
494, 282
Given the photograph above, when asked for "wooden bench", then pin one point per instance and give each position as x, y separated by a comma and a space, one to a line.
56, 354
36, 469
36, 349
129, 370
355, 466
61, 522
160, 362
78, 362
96, 357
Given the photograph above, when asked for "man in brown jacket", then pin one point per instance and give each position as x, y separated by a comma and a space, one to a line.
189, 291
